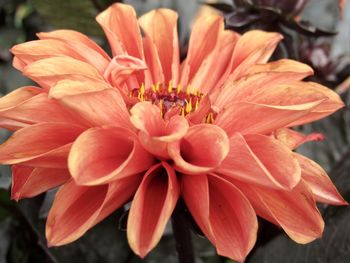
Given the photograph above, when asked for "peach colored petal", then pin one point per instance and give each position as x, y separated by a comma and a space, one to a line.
198, 116
160, 26
201, 150
30, 181
295, 211
152, 207
320, 184
253, 47
247, 117
261, 160
123, 67
124, 37
18, 96
37, 140
294, 139
204, 37
47, 72
76, 209
97, 108
224, 214
81, 45
104, 154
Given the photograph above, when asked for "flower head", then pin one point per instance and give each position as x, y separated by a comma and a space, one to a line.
140, 126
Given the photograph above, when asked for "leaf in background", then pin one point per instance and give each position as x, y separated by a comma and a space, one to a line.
71, 14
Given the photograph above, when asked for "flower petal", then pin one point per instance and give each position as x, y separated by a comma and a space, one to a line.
36, 141
223, 213
47, 72
76, 209
293, 139
201, 150
18, 96
295, 211
160, 26
104, 106
82, 46
320, 184
104, 154
30, 181
261, 160
248, 117
121, 28
151, 208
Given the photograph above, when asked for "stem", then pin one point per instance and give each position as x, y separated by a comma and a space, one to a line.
182, 236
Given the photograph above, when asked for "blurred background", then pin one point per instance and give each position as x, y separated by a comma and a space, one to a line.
316, 32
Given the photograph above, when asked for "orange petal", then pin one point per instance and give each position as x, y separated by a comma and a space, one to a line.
30, 181
293, 139
160, 26
247, 117
121, 68
253, 47
76, 209
201, 150
223, 213
120, 25
102, 107
320, 184
47, 72
204, 37
151, 208
18, 96
261, 160
295, 211
103, 154
36, 141
81, 45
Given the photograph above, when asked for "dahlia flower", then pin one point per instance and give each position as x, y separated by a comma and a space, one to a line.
214, 130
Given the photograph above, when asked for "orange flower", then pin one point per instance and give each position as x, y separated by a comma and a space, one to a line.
214, 129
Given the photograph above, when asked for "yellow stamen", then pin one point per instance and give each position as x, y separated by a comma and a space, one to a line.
188, 106
178, 88
157, 86
188, 89
182, 112
153, 87
170, 86
196, 105
210, 118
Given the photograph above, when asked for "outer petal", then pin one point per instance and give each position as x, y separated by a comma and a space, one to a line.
78, 208
47, 72
253, 47
155, 133
320, 184
247, 117
105, 106
37, 141
30, 181
121, 28
293, 139
103, 154
222, 212
82, 46
201, 150
295, 211
151, 208
261, 160
160, 26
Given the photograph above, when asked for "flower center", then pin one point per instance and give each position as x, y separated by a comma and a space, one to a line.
169, 97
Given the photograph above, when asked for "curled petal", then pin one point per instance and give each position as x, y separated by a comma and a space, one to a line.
160, 26
152, 207
201, 150
121, 68
293, 139
83, 47
123, 37
248, 117
97, 105
261, 160
223, 213
47, 72
78, 208
320, 184
103, 154
37, 141
30, 181
295, 211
